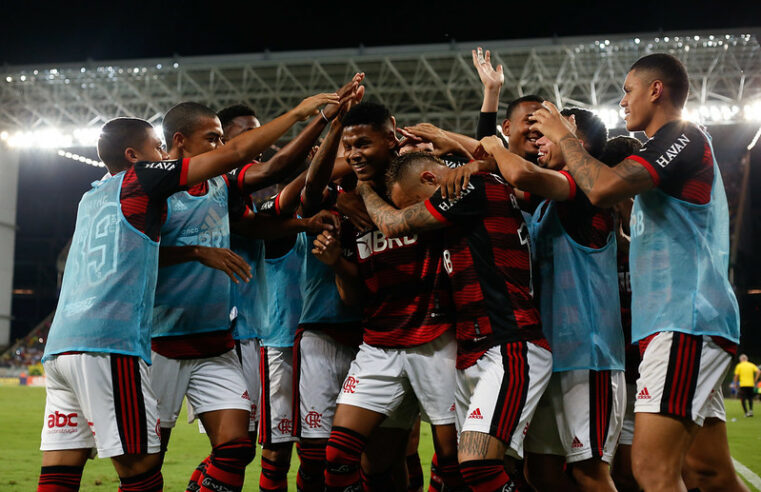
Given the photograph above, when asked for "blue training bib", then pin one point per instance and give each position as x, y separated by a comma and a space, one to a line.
580, 308
191, 297
108, 286
679, 259
282, 277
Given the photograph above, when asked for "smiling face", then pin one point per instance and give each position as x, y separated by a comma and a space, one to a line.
520, 138
368, 150
550, 155
637, 101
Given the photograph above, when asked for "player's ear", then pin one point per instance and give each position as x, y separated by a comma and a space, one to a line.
656, 90
131, 155
506, 127
178, 140
427, 177
393, 140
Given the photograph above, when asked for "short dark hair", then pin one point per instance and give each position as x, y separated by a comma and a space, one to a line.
367, 113
619, 148
183, 118
589, 128
668, 69
228, 114
403, 163
516, 102
118, 135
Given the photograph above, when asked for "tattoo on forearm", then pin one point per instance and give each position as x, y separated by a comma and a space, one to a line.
394, 222
474, 444
584, 168
632, 172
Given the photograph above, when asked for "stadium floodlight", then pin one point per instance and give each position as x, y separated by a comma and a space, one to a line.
80, 158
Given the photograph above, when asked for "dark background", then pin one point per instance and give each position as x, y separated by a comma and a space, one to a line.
41, 32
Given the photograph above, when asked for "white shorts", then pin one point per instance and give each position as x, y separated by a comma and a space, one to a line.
379, 379
101, 401
681, 375
276, 409
566, 424
499, 393
248, 356
211, 383
321, 364
627, 429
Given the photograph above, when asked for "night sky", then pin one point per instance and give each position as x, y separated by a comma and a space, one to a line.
43, 32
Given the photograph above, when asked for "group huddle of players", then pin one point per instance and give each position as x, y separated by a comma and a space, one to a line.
398, 274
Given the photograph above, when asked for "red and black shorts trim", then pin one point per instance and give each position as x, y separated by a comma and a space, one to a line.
512, 392
600, 409
296, 403
681, 375
129, 405
265, 417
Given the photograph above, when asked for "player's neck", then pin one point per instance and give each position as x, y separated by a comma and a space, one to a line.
661, 117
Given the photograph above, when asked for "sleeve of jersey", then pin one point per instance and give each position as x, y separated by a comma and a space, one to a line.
236, 200
471, 203
673, 151
159, 180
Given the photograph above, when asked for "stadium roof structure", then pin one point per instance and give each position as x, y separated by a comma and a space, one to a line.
63, 105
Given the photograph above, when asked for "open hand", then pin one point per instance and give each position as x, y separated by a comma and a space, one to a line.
491, 78
550, 123
311, 105
226, 261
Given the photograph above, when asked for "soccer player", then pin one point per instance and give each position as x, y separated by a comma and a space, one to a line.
98, 352
580, 415
521, 138
191, 341
503, 360
684, 313
407, 346
616, 150
746, 376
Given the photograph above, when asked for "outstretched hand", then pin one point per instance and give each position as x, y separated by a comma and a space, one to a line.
350, 94
226, 261
550, 123
491, 79
311, 105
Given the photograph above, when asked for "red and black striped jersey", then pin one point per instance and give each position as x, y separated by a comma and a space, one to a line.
680, 161
145, 188
409, 303
488, 260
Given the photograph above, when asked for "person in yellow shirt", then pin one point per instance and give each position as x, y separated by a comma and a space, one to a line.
747, 374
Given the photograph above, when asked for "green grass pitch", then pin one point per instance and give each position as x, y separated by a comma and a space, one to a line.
21, 417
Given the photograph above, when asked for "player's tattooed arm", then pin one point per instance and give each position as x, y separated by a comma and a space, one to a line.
393, 222
603, 186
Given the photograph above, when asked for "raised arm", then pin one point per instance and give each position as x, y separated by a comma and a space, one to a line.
603, 185
246, 146
393, 222
294, 152
525, 175
492, 81
443, 142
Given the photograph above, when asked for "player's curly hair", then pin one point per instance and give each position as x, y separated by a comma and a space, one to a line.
590, 129
226, 115
619, 148
368, 113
